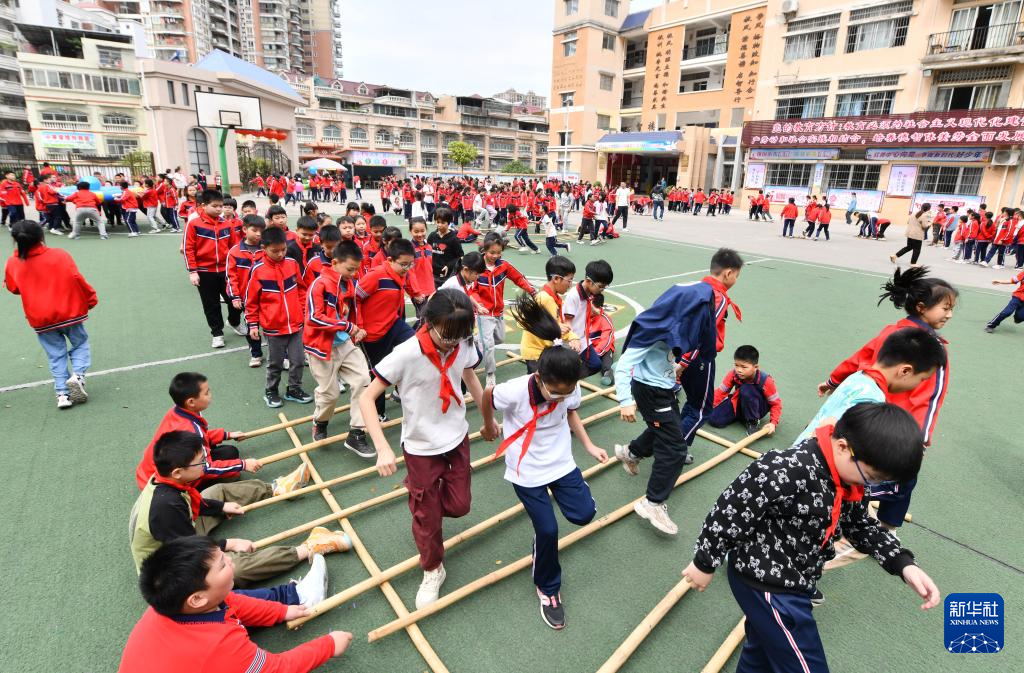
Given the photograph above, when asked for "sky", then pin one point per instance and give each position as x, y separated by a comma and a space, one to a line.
451, 46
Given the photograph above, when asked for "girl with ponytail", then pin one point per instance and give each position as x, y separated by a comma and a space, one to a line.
56, 300
538, 412
928, 304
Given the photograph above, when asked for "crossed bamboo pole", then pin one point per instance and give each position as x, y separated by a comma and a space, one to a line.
566, 541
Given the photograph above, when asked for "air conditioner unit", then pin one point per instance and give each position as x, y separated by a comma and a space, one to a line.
790, 6
1005, 157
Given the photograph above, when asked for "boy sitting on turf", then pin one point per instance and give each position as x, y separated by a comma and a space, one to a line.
776, 522
196, 623
170, 507
747, 394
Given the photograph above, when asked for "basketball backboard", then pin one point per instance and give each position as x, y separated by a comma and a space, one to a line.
223, 111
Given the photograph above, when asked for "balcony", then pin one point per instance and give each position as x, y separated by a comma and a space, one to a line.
9, 13
8, 62
13, 88
407, 145
497, 149
13, 112
635, 60
708, 47
995, 44
66, 126
634, 102
120, 128
13, 136
392, 100
358, 142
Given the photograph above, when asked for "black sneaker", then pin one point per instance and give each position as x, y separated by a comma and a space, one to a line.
297, 394
817, 598
383, 418
751, 427
272, 399
357, 444
551, 610
319, 430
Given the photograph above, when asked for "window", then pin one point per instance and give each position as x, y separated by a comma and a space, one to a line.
851, 176
802, 108
810, 45
877, 34
331, 132
611, 7
569, 44
65, 117
406, 138
428, 141
608, 41
693, 81
382, 137
502, 145
901, 7
980, 97
869, 82
819, 86
109, 58
525, 150
184, 94
356, 133
567, 98
789, 175
564, 138
118, 147
304, 131
606, 82
866, 103
813, 23
170, 92
948, 179
117, 119
571, 7
198, 151
604, 122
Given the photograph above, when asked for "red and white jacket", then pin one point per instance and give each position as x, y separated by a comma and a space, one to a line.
53, 292
177, 418
330, 308
765, 384
207, 243
241, 259
490, 286
273, 297
381, 296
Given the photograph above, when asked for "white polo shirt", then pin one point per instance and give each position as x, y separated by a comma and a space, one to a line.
549, 455
426, 431
454, 283
577, 307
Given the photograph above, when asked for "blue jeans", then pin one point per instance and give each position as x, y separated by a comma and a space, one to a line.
949, 236
658, 210
55, 343
787, 227
282, 593
578, 507
1014, 308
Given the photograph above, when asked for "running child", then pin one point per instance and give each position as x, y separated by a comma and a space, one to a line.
789, 214
435, 439
560, 272
446, 248
241, 258
490, 292
87, 207
517, 220
129, 202
551, 234
468, 270
207, 241
747, 395
538, 411
579, 312
1015, 307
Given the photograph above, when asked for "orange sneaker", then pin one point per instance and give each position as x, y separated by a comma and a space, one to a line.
323, 541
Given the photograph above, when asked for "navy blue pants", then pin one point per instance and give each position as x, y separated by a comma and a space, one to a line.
380, 349
893, 505
752, 408
282, 593
1014, 308
782, 636
698, 382
573, 497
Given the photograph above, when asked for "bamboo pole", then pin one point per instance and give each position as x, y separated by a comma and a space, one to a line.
644, 628
390, 495
721, 656
571, 538
283, 425
419, 641
394, 571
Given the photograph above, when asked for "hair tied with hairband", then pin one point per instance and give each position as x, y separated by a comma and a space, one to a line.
557, 342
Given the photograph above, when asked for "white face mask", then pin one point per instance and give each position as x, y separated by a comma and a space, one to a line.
550, 395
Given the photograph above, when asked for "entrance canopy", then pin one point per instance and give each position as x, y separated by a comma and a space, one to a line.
663, 143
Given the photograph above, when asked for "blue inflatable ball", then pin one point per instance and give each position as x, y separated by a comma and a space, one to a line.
312, 171
94, 183
110, 191
67, 190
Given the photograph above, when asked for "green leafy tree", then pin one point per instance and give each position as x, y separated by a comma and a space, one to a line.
517, 167
462, 154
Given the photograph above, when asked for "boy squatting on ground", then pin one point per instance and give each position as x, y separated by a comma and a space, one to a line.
746, 394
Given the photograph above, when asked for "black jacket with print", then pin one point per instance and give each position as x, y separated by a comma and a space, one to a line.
772, 520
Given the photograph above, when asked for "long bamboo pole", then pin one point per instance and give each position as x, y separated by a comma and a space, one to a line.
564, 542
386, 497
721, 656
417, 637
644, 628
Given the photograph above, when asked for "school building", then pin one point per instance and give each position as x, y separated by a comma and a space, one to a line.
902, 102
660, 93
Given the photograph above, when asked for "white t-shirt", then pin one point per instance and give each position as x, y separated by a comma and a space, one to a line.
577, 307
428, 193
622, 196
454, 283
549, 455
549, 226
426, 431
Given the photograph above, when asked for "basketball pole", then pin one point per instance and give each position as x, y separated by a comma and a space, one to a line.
222, 141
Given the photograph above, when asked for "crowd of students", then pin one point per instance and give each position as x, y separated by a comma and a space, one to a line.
334, 291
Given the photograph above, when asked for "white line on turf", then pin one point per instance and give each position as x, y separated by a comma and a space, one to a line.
680, 275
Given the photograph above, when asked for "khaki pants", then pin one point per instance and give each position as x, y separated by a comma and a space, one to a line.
250, 566
348, 362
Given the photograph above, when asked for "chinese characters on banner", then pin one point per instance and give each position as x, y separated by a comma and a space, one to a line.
755, 175
665, 74
902, 180
962, 201
748, 56
978, 127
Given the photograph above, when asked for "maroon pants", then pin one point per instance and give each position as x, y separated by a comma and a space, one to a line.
438, 487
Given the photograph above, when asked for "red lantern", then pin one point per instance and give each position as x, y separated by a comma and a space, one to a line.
281, 135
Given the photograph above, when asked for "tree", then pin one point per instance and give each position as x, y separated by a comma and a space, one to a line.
462, 154
517, 167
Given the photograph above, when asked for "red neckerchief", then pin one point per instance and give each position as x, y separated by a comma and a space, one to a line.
447, 392
719, 287
879, 380
193, 495
530, 427
588, 303
558, 300
844, 492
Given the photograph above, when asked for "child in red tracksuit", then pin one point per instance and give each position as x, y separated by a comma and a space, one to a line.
241, 258
87, 207
129, 201
207, 242
490, 293
13, 198
929, 304
272, 302
789, 214
810, 216
986, 232
372, 246
421, 276
587, 222
56, 300
746, 394
191, 394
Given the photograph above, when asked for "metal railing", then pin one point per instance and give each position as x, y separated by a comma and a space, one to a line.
635, 60
65, 126
636, 101
120, 128
970, 39
706, 47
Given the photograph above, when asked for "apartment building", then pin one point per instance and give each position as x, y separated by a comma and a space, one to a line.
379, 129
902, 101
657, 93
528, 99
15, 132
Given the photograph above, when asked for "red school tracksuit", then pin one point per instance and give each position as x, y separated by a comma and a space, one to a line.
241, 258
420, 277
222, 460
490, 293
129, 201
923, 403
217, 642
746, 401
208, 242
14, 199
272, 303
986, 232
380, 296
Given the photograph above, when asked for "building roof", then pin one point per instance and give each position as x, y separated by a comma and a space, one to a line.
219, 61
634, 20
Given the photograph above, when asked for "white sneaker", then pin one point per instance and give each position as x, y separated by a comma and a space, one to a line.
63, 402
629, 461
998, 266
313, 587
133, 234
155, 230
535, 252
255, 362
594, 242
239, 329
983, 264
656, 514
430, 587
285, 364
56, 232
76, 390
490, 380
218, 342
